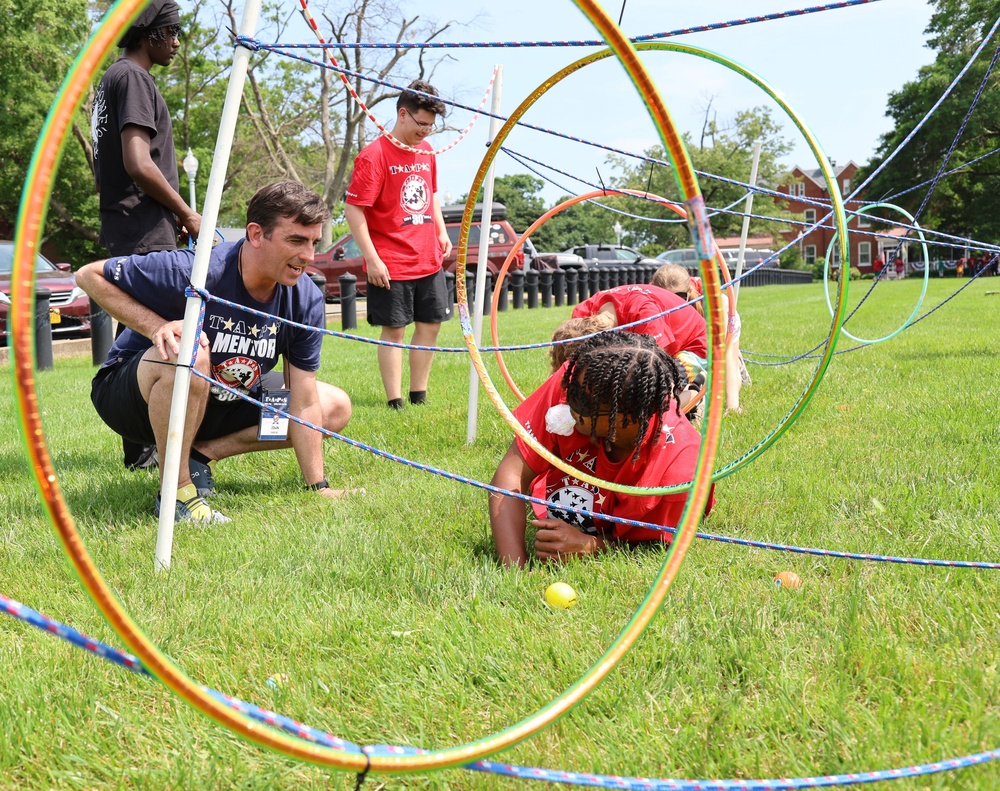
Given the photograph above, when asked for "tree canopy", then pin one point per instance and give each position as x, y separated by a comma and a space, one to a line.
297, 120
968, 202
723, 150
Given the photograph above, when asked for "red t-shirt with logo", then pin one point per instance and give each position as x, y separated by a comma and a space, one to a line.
396, 189
682, 330
669, 459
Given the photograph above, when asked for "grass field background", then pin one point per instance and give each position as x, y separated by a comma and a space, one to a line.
395, 624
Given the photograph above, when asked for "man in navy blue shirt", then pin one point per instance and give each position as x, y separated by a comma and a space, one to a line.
238, 350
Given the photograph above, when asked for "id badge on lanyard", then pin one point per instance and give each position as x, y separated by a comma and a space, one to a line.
273, 426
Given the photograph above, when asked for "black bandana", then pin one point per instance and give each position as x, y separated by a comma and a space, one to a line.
159, 13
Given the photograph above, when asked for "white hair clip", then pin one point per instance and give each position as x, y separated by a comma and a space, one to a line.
559, 420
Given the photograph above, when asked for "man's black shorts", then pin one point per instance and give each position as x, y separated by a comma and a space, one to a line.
116, 397
425, 300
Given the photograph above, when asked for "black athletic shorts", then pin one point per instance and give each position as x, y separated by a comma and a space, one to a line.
116, 397
405, 301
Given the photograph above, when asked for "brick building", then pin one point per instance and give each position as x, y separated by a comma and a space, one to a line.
807, 197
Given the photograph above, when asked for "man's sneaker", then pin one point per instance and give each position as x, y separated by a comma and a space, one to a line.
201, 477
147, 459
193, 508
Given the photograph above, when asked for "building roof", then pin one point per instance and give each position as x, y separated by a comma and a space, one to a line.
816, 174
753, 242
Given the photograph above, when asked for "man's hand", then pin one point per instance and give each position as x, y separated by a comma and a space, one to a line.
167, 340
378, 273
339, 494
190, 224
557, 540
444, 241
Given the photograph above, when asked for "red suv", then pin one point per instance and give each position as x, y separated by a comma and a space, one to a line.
345, 255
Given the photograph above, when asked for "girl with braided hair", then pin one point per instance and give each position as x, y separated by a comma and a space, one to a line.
612, 411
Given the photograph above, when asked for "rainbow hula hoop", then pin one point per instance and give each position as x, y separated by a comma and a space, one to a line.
29, 225
923, 291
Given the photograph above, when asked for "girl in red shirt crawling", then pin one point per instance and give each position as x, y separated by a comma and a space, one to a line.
611, 411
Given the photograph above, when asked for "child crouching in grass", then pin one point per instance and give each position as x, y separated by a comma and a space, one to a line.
611, 411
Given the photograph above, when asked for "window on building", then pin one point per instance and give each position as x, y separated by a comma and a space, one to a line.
810, 253
810, 216
802, 190
847, 187
864, 253
864, 222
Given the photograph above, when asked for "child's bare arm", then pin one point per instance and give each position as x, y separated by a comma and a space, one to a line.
507, 514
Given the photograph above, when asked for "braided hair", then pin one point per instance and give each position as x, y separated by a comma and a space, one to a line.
627, 374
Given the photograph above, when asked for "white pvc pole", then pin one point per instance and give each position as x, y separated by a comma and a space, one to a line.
746, 221
482, 271
209, 219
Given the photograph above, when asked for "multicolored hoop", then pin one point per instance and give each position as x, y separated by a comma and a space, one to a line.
923, 291
509, 260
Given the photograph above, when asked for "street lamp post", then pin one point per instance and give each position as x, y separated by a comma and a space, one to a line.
190, 165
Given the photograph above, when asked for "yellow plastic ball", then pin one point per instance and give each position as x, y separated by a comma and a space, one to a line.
560, 595
788, 579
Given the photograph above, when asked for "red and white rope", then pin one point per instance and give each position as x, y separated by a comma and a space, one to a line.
307, 15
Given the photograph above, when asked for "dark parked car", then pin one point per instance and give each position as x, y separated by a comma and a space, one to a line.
345, 254
609, 254
69, 306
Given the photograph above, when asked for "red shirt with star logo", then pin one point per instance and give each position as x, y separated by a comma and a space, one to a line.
664, 460
682, 330
396, 189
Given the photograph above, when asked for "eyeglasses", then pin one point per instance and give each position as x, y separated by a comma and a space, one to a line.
422, 127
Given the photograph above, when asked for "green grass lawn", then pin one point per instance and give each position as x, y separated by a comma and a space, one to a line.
395, 624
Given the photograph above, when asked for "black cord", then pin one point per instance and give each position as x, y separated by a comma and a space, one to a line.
605, 189
362, 776
621, 16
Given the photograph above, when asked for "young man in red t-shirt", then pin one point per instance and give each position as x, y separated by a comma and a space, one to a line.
394, 214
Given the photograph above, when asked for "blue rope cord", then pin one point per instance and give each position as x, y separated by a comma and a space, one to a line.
452, 476
960, 169
569, 43
958, 241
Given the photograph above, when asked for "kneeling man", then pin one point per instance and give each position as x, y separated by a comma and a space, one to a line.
132, 391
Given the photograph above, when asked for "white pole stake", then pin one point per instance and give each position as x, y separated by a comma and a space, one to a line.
209, 219
746, 221
482, 271
734, 363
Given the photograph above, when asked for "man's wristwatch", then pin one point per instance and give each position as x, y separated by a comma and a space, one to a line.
315, 487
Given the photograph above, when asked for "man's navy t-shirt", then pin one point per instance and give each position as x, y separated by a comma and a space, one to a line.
243, 346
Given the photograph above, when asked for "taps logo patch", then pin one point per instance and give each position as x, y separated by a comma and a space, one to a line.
414, 196
238, 373
575, 494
